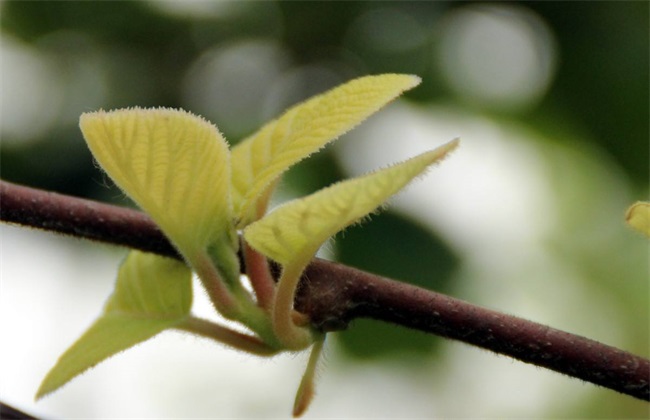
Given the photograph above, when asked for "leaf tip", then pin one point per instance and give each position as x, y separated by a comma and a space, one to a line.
303, 399
307, 389
442, 152
450, 146
47, 386
40, 393
414, 79
400, 82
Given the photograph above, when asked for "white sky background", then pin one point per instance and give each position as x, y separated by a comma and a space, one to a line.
494, 201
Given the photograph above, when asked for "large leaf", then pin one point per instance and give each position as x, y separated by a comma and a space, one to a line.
152, 294
295, 231
173, 164
260, 159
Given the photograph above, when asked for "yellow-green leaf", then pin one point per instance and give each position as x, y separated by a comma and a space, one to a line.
152, 294
638, 216
295, 231
302, 130
174, 165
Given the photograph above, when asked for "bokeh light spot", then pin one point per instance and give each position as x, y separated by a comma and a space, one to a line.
226, 84
497, 56
31, 92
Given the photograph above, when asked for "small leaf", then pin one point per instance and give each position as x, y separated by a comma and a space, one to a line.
174, 165
638, 216
152, 294
295, 231
302, 130
306, 389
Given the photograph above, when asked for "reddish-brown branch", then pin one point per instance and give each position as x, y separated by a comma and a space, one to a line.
81, 218
333, 294
7, 412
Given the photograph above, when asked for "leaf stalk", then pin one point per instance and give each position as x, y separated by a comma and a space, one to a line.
231, 338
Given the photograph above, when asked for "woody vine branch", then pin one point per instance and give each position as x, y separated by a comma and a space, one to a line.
332, 295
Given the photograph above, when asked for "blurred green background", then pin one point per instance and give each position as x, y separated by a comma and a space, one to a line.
550, 100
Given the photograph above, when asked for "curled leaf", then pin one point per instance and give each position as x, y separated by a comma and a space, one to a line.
302, 130
638, 217
174, 165
295, 231
152, 294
